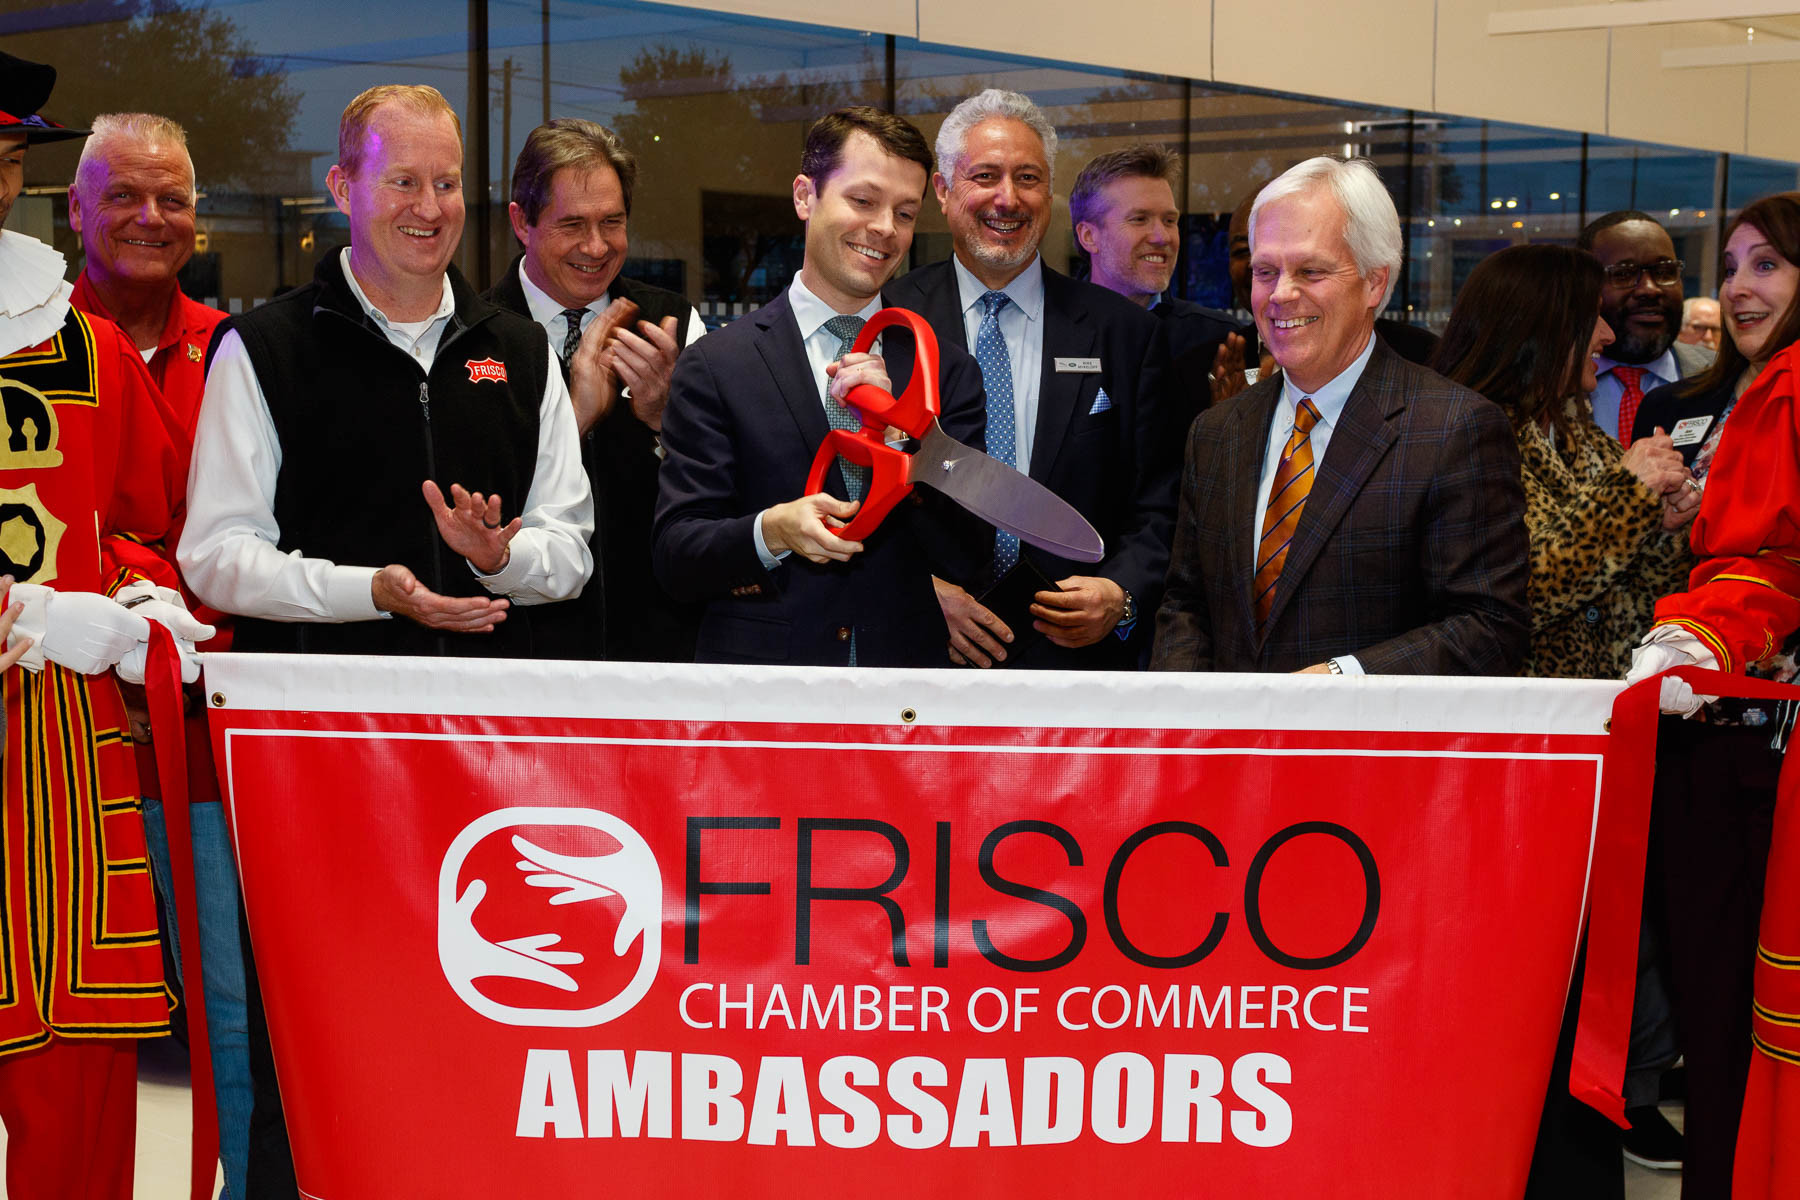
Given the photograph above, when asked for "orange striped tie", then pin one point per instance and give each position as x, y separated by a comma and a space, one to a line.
1287, 497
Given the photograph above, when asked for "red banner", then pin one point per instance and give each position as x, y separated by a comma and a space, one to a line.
788, 932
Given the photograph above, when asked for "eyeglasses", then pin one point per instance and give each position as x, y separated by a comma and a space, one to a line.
1664, 272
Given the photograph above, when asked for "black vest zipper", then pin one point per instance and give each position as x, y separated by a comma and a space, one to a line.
437, 539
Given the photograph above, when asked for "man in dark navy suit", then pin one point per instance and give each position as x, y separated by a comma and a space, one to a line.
751, 403
1126, 219
1073, 375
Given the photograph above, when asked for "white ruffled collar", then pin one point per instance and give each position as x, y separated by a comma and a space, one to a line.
34, 296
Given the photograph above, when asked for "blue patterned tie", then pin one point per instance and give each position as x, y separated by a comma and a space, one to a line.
856, 478
996, 380
572, 338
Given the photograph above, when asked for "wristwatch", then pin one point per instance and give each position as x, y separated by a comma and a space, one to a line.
1128, 618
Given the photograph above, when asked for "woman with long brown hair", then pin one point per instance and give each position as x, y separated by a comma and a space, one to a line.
1524, 333
1604, 524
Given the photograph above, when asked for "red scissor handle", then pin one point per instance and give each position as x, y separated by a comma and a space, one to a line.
913, 410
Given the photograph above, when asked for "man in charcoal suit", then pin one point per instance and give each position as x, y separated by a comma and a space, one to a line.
1358, 513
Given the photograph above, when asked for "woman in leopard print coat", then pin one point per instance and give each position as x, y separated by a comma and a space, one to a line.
1606, 524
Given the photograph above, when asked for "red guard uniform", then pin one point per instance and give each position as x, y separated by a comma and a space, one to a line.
179, 368
92, 467
1743, 602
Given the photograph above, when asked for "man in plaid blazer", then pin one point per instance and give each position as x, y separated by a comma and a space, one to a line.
1397, 539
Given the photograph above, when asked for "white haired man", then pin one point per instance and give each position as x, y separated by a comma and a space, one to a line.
132, 201
1358, 513
1699, 322
1075, 378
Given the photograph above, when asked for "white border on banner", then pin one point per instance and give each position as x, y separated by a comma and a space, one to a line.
654, 702
933, 698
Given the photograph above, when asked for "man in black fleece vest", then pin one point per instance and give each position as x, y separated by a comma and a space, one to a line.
364, 433
382, 443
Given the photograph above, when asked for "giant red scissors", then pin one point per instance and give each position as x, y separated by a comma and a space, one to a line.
985, 486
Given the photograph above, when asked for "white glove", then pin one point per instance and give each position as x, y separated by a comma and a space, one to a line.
164, 606
83, 631
1654, 657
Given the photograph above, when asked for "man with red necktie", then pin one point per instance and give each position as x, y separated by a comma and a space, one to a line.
1641, 301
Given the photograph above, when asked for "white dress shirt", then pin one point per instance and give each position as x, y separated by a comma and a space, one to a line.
1611, 389
548, 313
1330, 401
1022, 325
821, 346
228, 550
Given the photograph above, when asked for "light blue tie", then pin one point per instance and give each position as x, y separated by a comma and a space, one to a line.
997, 381
856, 477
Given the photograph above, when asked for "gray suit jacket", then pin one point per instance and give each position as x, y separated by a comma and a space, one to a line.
1692, 359
1411, 552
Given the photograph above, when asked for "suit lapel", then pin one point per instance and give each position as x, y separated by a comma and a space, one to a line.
941, 303
1689, 360
898, 351
1067, 334
785, 357
1360, 439
509, 292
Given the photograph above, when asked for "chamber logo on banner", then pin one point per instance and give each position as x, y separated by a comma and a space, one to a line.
549, 916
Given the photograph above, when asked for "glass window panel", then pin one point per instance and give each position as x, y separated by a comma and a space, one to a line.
1678, 187
260, 94
1239, 140
1753, 178
1094, 112
1481, 186
714, 107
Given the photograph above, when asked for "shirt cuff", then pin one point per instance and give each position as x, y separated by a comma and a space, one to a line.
349, 591
1347, 665
769, 559
504, 581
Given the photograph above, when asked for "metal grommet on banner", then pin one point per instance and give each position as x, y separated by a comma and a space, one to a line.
908, 715
218, 699
1607, 725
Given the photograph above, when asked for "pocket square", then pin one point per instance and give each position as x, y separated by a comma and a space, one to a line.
1102, 402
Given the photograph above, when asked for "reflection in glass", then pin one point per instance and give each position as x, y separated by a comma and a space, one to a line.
715, 107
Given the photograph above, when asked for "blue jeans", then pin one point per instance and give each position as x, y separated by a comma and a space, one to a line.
222, 970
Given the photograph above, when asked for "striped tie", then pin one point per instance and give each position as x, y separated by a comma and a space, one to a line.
1287, 497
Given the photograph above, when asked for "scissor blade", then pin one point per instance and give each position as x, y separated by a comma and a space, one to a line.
1003, 497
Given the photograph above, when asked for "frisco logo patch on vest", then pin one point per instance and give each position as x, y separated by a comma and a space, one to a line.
486, 368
